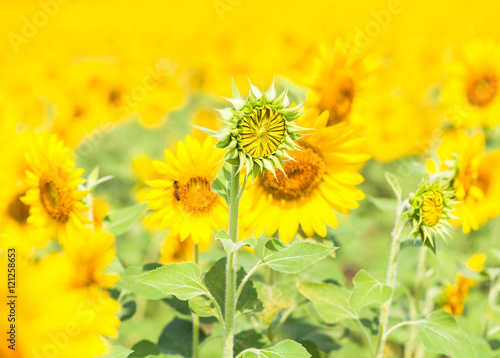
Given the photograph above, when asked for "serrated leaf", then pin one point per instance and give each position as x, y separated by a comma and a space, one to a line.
215, 281
129, 282
440, 334
119, 221
394, 184
177, 338
331, 301
368, 290
116, 352
275, 299
181, 280
222, 182
295, 257
249, 339
202, 306
144, 349
284, 349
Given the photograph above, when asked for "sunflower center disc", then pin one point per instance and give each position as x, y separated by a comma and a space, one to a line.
338, 99
481, 91
55, 198
304, 175
432, 208
263, 131
195, 195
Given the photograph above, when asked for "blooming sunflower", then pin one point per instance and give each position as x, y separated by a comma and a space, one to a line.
320, 178
337, 81
181, 198
176, 250
476, 181
472, 84
53, 181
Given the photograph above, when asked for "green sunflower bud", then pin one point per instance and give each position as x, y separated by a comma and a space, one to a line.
429, 210
258, 130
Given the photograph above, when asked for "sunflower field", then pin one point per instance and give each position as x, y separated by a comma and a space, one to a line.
249, 179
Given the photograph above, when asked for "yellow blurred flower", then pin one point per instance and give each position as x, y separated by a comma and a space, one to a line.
320, 179
472, 84
174, 249
53, 181
456, 295
181, 198
476, 262
477, 181
338, 78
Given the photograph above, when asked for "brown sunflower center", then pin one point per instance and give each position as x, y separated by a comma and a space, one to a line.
482, 90
17, 210
55, 198
195, 195
338, 99
304, 175
432, 208
263, 131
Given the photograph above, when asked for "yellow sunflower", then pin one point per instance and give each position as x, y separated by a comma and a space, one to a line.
181, 198
456, 295
53, 195
320, 179
176, 250
337, 81
477, 181
471, 89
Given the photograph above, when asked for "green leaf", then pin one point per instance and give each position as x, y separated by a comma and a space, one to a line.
229, 245
295, 257
129, 282
117, 352
202, 306
144, 349
177, 338
368, 290
210, 132
284, 349
222, 182
331, 301
128, 308
119, 221
394, 184
249, 339
440, 334
387, 205
275, 299
181, 280
215, 281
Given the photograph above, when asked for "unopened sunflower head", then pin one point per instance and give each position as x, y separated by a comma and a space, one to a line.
259, 130
429, 210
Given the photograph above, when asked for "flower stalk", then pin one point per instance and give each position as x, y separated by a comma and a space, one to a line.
232, 264
196, 318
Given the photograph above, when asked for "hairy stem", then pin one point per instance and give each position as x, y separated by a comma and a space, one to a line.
391, 279
232, 264
196, 318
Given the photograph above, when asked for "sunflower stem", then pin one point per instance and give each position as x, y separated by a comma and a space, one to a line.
391, 279
196, 318
232, 264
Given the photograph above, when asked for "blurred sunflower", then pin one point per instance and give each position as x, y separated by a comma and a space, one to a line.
181, 198
477, 179
53, 181
320, 179
176, 250
472, 84
456, 295
338, 78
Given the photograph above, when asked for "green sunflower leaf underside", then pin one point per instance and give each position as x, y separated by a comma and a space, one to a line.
368, 290
295, 257
284, 349
331, 301
120, 221
181, 280
229, 245
441, 334
222, 182
129, 282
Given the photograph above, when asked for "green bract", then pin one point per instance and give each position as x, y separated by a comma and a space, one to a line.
429, 209
258, 130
